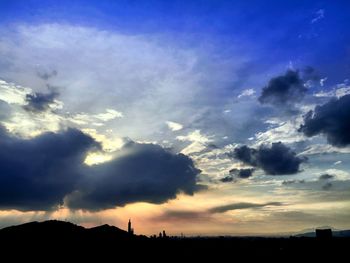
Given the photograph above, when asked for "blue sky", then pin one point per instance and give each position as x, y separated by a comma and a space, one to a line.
194, 82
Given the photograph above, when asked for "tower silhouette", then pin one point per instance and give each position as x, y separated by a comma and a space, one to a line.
130, 229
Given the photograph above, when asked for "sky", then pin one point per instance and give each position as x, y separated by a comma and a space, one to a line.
196, 117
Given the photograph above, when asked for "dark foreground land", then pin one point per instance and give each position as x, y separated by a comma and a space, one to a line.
61, 239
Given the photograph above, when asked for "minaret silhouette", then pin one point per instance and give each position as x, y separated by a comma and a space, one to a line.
130, 229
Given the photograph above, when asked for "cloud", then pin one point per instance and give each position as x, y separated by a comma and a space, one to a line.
136, 73
99, 119
315, 149
332, 120
327, 186
174, 126
275, 160
326, 177
194, 136
338, 91
13, 94
199, 142
245, 154
242, 173
45, 75
38, 102
289, 182
141, 172
36, 174
319, 14
5, 110
182, 216
227, 179
110, 114
237, 206
283, 131
310, 75
283, 90
322, 81
188, 215
246, 93
48, 171
237, 173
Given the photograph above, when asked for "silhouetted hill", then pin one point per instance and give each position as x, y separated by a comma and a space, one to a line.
51, 227
54, 231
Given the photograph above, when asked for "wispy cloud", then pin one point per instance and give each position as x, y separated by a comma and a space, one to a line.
319, 14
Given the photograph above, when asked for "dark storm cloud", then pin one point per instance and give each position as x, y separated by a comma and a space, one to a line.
242, 173
246, 155
38, 102
331, 120
46, 75
326, 177
283, 90
275, 160
142, 172
237, 206
40, 173
278, 160
36, 174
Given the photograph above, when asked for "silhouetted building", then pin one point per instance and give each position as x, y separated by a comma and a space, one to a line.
164, 234
130, 229
324, 234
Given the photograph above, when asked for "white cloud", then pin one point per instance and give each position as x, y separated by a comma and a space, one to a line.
195, 136
246, 93
22, 122
339, 91
283, 131
324, 148
322, 81
319, 14
339, 174
174, 126
95, 119
110, 114
199, 142
109, 142
13, 94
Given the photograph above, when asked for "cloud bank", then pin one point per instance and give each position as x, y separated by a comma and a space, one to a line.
36, 174
47, 171
141, 172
